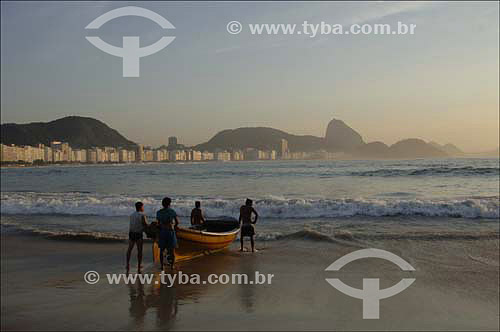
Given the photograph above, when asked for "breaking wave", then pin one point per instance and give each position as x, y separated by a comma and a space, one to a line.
81, 203
431, 171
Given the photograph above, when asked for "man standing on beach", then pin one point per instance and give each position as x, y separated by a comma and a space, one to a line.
138, 224
167, 221
246, 223
197, 217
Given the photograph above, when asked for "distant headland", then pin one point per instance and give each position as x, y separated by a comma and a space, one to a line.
340, 142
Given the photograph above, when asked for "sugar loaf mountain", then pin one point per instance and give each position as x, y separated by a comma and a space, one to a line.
84, 132
339, 137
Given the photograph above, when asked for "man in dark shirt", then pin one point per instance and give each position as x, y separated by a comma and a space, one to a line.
167, 221
246, 223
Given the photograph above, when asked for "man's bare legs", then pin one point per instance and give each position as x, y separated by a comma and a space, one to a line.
129, 252
161, 258
139, 254
170, 257
252, 242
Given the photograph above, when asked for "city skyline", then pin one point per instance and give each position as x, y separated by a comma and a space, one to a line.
63, 152
440, 84
174, 141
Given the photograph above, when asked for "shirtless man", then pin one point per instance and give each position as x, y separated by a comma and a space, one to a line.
246, 223
197, 217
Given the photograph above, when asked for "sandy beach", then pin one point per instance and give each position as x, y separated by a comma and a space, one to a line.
456, 287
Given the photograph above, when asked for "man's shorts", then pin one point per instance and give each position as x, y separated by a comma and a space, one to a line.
133, 236
247, 230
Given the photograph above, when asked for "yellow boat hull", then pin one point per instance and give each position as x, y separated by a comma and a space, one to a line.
194, 243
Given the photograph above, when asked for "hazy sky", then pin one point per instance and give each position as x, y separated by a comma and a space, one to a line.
440, 84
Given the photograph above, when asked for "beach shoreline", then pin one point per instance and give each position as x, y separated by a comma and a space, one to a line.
43, 288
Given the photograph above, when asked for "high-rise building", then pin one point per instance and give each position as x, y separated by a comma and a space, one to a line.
158, 155
123, 156
205, 155
172, 142
237, 155
9, 153
284, 149
195, 155
272, 155
131, 155
223, 156
47, 154
139, 154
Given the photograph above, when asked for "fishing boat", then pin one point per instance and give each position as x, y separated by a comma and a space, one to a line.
214, 235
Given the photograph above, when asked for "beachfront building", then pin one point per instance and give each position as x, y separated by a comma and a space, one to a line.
160, 155
79, 156
100, 155
298, 155
8, 153
112, 156
57, 156
172, 142
284, 152
223, 156
262, 155
237, 155
177, 155
139, 154
272, 155
205, 155
123, 156
195, 155
131, 156
59, 152
92, 156
47, 154
148, 154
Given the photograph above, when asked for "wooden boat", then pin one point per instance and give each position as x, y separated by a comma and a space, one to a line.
215, 235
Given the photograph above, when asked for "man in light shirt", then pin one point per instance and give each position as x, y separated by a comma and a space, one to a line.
137, 226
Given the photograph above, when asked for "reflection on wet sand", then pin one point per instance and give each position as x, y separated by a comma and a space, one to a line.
165, 300
247, 292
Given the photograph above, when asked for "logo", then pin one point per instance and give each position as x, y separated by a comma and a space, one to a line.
130, 51
371, 294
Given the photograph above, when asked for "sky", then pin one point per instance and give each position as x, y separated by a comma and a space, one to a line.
439, 84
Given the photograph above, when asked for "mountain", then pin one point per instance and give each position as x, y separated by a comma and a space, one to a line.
415, 148
450, 149
341, 137
79, 132
260, 138
375, 150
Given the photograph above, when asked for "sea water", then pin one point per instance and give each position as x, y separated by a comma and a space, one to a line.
318, 200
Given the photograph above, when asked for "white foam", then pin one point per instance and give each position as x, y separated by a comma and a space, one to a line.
273, 207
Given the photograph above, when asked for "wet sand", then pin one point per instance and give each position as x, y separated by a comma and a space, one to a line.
456, 288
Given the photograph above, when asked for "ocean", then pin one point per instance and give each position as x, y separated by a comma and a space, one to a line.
441, 216
317, 200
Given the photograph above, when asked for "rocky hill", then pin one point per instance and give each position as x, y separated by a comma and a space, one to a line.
79, 132
260, 138
340, 137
